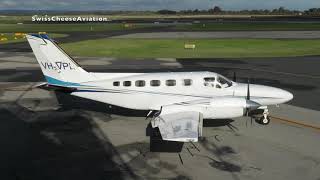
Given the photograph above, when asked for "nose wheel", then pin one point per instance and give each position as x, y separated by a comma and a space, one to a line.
264, 120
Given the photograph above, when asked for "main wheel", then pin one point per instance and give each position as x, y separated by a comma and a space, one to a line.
264, 120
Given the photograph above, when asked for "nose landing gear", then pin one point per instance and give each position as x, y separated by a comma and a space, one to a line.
264, 119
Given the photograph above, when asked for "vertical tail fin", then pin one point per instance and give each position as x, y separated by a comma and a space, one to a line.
58, 67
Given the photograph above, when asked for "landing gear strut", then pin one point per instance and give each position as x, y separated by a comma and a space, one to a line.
264, 119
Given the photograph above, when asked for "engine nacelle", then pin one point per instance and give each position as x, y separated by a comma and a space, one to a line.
221, 108
218, 108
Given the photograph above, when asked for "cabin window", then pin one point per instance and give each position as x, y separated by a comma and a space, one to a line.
116, 83
155, 82
209, 81
171, 82
140, 83
187, 82
126, 83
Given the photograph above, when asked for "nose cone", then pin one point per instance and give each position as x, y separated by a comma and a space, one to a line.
265, 95
286, 95
276, 95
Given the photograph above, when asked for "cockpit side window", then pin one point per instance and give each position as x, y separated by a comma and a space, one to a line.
209, 81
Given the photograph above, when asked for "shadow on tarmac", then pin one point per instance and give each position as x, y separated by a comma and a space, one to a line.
64, 144
55, 145
61, 144
68, 102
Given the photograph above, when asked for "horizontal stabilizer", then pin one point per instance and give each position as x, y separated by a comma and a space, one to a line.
51, 87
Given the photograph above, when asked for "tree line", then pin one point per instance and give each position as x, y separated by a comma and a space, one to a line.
218, 10
215, 10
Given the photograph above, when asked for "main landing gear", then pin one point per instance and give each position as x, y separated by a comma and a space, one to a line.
264, 119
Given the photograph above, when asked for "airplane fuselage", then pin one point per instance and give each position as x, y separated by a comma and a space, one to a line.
151, 91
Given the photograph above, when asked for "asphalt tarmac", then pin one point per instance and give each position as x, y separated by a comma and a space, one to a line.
51, 135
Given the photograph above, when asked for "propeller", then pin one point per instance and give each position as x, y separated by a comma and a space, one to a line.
150, 113
248, 98
234, 77
249, 103
153, 113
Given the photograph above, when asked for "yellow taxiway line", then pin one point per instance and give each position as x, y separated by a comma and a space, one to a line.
294, 122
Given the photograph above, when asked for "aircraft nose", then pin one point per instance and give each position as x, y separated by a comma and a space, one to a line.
288, 96
283, 94
265, 95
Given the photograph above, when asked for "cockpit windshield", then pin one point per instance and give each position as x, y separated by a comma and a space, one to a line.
217, 82
224, 82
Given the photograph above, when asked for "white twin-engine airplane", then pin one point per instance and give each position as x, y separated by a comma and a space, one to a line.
177, 101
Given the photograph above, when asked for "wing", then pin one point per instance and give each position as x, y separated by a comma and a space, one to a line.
183, 126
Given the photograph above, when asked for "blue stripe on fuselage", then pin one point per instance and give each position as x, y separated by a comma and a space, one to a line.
58, 82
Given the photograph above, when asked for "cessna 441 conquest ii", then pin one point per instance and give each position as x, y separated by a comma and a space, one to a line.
177, 101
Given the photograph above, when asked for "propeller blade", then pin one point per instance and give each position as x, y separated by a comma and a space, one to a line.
246, 113
248, 103
248, 90
234, 77
150, 113
252, 104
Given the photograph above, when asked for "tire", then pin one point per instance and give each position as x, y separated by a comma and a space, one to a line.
264, 121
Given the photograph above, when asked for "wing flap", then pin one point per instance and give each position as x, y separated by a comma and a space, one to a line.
185, 126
